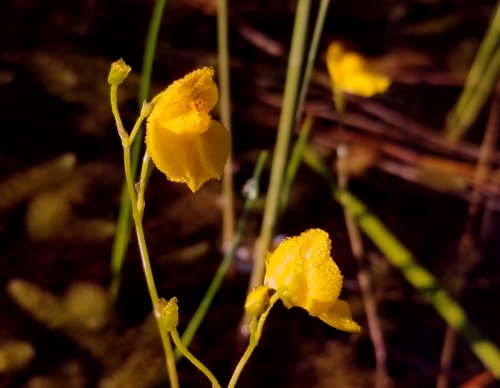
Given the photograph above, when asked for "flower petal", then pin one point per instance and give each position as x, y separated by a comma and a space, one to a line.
351, 73
186, 157
303, 273
339, 316
366, 84
169, 151
210, 152
205, 88
197, 85
185, 116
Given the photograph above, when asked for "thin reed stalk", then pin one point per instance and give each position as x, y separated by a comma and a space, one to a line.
285, 127
225, 113
124, 221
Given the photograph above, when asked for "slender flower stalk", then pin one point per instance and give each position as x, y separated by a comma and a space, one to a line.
137, 216
142, 182
177, 341
350, 73
254, 340
225, 114
285, 127
252, 195
124, 221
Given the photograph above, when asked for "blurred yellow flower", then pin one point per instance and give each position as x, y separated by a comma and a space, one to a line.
304, 275
182, 139
350, 73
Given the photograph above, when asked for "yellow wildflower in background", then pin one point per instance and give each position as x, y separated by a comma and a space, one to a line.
303, 274
351, 73
182, 139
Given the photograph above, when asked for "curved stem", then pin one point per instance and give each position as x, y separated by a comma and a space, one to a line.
142, 182
124, 225
198, 316
254, 340
136, 128
169, 354
177, 341
114, 105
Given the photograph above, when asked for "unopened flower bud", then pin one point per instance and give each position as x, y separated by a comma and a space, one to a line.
118, 73
169, 313
257, 301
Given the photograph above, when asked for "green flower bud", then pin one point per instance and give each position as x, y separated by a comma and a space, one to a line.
118, 73
257, 301
169, 313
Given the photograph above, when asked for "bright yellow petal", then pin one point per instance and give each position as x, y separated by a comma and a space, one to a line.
186, 116
339, 316
169, 151
366, 84
205, 88
303, 273
324, 280
284, 271
210, 152
197, 86
189, 158
351, 73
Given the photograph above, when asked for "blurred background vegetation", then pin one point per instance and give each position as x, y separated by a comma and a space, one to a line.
61, 176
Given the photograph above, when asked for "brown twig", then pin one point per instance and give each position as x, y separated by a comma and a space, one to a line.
390, 125
365, 284
382, 379
467, 244
482, 380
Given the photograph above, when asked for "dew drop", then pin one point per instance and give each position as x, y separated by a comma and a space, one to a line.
250, 189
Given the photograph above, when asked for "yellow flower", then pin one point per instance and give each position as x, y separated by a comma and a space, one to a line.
182, 139
304, 275
350, 73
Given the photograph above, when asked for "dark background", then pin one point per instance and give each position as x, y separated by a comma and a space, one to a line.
54, 99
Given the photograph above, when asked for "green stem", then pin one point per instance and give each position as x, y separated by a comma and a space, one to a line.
136, 128
114, 106
254, 340
142, 182
311, 56
293, 164
169, 354
481, 92
198, 316
286, 125
121, 239
225, 114
149, 50
455, 126
419, 277
124, 224
193, 359
137, 216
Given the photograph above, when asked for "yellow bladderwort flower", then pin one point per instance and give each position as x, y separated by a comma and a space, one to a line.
351, 73
304, 275
182, 139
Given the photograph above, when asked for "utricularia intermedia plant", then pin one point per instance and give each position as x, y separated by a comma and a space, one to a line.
188, 146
